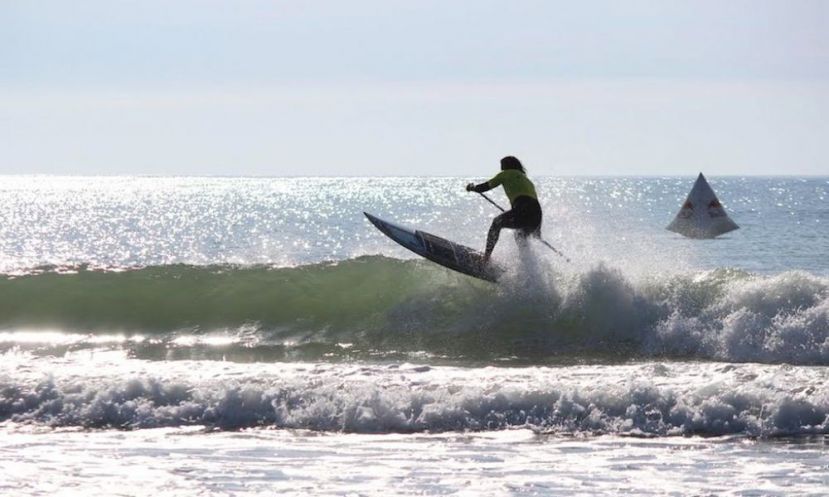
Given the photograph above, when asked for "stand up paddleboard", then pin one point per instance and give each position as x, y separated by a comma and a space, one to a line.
448, 254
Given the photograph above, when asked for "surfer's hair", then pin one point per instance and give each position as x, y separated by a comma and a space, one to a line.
510, 162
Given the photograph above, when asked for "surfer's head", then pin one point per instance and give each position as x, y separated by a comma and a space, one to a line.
510, 162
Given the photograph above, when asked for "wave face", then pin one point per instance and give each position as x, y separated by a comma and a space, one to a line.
379, 305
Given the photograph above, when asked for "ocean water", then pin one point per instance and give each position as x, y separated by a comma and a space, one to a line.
253, 336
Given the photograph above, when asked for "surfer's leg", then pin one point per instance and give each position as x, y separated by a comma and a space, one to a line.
527, 220
505, 220
492, 236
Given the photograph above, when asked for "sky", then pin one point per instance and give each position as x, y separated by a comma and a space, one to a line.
420, 87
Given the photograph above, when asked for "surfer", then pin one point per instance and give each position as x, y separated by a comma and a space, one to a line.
525, 215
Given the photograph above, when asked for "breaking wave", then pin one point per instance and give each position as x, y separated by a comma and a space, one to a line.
755, 403
379, 305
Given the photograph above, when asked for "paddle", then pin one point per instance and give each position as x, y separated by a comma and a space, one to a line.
541, 239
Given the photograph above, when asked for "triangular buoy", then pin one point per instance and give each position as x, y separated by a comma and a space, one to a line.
702, 215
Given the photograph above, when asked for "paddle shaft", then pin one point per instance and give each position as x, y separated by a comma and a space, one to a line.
541, 239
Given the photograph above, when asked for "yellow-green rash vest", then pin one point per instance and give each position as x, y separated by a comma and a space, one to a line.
516, 184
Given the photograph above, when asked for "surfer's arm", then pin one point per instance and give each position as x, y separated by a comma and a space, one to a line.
485, 186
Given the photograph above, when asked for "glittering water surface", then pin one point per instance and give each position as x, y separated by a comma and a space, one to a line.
115, 222
248, 336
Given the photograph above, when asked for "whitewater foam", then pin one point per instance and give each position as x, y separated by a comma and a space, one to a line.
647, 399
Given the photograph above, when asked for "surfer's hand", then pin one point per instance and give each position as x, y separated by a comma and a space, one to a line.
470, 187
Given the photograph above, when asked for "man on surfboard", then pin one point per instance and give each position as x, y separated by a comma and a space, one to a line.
525, 215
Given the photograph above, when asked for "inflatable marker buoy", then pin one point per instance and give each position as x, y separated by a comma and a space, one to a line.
702, 215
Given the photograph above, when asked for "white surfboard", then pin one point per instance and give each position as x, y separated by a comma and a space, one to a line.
702, 215
448, 254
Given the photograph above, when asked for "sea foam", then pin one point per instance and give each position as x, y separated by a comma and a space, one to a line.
645, 399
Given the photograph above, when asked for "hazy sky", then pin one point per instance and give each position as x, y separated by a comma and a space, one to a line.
419, 87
